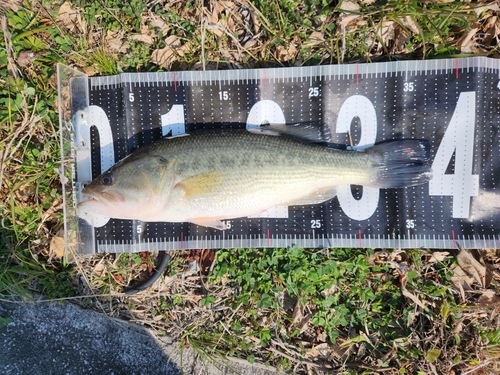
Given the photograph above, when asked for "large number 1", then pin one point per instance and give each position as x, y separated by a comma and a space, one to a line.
459, 140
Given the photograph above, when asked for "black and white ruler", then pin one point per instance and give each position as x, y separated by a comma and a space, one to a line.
454, 103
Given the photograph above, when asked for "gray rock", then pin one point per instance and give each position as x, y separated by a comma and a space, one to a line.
61, 338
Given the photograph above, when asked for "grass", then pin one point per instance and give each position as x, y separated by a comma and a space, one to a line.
299, 310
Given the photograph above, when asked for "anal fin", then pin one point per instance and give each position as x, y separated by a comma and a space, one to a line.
209, 222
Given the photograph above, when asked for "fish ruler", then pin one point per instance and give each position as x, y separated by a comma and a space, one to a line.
453, 103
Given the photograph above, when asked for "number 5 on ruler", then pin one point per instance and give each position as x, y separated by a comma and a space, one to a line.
458, 139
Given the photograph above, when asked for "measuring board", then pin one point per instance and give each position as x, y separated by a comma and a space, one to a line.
453, 103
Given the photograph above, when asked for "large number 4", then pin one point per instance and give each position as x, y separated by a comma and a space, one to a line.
459, 140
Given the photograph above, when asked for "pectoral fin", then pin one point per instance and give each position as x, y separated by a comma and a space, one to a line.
201, 185
317, 197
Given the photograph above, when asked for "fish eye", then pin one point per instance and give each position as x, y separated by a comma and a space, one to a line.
107, 179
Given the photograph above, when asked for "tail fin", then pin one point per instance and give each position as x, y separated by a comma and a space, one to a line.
400, 163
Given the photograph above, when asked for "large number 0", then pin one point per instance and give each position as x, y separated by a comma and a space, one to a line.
459, 140
98, 118
361, 107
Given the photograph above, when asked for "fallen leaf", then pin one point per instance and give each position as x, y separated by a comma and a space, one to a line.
119, 279
491, 6
9, 5
466, 42
461, 281
386, 32
216, 29
159, 23
410, 24
115, 41
488, 298
414, 298
70, 18
347, 17
285, 54
300, 320
165, 56
325, 351
89, 70
438, 256
473, 268
27, 57
143, 38
314, 39
56, 249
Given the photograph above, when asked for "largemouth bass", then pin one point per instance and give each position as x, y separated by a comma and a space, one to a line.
210, 176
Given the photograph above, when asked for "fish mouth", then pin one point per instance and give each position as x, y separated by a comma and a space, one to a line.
95, 200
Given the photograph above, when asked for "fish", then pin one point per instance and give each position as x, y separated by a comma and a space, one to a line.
211, 176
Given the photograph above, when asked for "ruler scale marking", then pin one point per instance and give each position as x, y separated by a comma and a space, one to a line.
460, 69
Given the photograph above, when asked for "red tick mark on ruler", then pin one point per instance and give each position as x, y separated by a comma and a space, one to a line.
360, 239
182, 240
456, 68
453, 238
268, 239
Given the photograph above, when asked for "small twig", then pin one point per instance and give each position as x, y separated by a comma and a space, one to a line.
292, 358
474, 369
255, 364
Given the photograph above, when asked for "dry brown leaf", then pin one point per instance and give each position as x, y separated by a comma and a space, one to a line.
144, 38
119, 279
488, 298
285, 54
216, 29
438, 256
490, 31
159, 23
300, 320
99, 268
89, 71
70, 18
386, 32
491, 6
167, 55
413, 297
473, 268
115, 41
9, 5
466, 42
56, 249
348, 17
325, 351
461, 281
410, 24
27, 57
